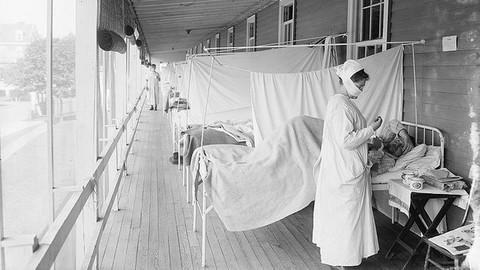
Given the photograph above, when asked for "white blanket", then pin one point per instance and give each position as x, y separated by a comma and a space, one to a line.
254, 187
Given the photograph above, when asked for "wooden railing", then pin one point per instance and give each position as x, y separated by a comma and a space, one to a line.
50, 245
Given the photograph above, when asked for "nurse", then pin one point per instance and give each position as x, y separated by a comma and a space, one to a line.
344, 227
153, 86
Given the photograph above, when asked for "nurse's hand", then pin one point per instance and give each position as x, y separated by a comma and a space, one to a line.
378, 122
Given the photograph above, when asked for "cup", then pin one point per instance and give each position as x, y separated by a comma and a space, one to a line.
406, 176
416, 183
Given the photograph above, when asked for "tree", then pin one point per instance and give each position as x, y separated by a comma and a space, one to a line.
29, 73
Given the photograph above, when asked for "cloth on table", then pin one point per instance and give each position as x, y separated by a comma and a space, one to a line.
400, 197
254, 187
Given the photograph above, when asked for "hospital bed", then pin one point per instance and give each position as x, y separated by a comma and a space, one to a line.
223, 132
216, 190
253, 187
421, 134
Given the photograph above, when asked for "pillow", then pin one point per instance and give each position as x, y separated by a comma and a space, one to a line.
430, 161
402, 162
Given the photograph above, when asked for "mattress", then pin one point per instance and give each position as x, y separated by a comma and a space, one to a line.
382, 179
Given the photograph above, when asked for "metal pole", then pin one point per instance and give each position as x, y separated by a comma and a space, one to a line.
49, 99
2, 229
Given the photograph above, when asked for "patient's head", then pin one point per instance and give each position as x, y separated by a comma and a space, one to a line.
395, 148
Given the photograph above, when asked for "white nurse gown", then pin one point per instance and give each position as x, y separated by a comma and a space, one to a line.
344, 226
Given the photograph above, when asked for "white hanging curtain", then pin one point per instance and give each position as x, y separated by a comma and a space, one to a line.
279, 97
230, 97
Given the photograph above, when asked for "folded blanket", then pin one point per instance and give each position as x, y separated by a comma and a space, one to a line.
192, 139
254, 187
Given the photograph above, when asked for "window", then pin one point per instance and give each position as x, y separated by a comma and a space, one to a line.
371, 27
208, 43
195, 49
230, 38
217, 42
251, 33
287, 24
201, 47
19, 35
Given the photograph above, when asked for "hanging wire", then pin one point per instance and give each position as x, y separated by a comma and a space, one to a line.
208, 50
415, 89
188, 92
312, 45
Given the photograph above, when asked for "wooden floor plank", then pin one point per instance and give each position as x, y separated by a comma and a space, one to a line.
296, 230
153, 229
257, 246
112, 243
125, 204
306, 250
133, 238
142, 251
250, 255
215, 245
238, 251
121, 253
270, 245
288, 245
225, 246
182, 227
173, 241
154, 261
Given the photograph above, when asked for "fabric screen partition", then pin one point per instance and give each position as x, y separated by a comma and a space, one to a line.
168, 75
279, 97
229, 97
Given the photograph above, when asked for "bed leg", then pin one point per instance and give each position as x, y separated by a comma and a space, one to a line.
204, 227
177, 143
183, 176
394, 215
194, 205
193, 184
185, 168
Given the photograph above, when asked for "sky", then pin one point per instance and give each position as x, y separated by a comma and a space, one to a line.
35, 12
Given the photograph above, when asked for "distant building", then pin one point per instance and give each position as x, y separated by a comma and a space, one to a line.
14, 38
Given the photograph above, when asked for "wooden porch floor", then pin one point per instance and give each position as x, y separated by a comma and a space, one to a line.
153, 228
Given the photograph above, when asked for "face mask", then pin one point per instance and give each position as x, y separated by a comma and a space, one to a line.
352, 89
346, 71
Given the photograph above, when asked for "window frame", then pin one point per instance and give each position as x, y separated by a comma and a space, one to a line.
230, 38
282, 24
251, 39
217, 42
355, 28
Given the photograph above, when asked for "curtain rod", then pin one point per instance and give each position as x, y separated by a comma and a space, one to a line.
319, 45
208, 53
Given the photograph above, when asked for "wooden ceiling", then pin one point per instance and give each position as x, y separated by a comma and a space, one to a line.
171, 27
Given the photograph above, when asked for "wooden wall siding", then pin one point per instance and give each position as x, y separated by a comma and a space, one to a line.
240, 34
447, 82
267, 25
316, 18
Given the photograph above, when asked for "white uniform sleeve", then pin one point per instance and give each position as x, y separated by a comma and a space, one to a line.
343, 127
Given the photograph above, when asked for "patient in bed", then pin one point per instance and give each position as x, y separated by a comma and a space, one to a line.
384, 150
